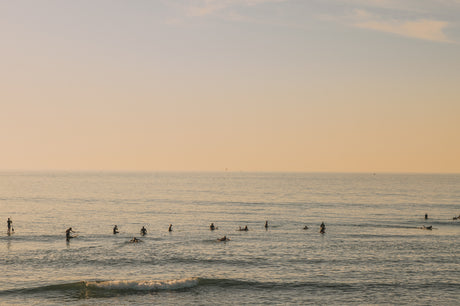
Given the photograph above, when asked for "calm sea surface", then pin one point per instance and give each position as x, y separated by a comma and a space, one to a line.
373, 251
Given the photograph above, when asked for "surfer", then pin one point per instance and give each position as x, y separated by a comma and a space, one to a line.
224, 239
143, 231
135, 240
322, 228
266, 224
212, 227
427, 227
67, 234
9, 224
426, 216
115, 229
305, 227
170, 228
244, 229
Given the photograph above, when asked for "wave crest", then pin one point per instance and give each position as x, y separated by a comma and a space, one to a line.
147, 285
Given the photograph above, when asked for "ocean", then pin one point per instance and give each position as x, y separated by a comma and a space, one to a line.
374, 249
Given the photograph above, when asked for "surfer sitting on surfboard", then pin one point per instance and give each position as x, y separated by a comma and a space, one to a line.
115, 229
143, 231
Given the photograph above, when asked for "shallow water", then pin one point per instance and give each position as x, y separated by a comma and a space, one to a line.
373, 252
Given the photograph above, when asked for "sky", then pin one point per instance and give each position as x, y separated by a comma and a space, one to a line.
237, 85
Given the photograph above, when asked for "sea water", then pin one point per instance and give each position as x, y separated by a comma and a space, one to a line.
374, 250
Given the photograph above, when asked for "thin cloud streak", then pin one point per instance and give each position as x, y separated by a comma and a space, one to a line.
417, 27
412, 18
431, 30
386, 16
209, 7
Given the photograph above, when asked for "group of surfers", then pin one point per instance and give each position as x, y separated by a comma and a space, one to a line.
212, 227
143, 231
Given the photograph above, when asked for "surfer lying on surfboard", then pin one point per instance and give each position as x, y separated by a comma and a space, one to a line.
223, 239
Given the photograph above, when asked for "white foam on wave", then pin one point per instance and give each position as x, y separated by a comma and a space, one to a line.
146, 285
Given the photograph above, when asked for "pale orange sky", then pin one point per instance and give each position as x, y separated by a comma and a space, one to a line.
340, 86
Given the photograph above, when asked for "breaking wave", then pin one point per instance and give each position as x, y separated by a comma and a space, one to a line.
108, 288
148, 285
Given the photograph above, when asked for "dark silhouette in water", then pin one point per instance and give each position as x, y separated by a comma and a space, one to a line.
305, 227
426, 216
143, 231
223, 239
170, 228
427, 227
9, 223
135, 240
115, 229
212, 227
67, 234
266, 224
244, 229
322, 228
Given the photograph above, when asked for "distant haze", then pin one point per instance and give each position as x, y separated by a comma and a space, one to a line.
242, 85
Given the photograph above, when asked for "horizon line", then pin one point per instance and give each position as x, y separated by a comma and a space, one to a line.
217, 171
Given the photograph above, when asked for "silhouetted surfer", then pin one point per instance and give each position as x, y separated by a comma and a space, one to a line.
224, 239
115, 229
305, 227
322, 228
67, 234
266, 224
135, 240
10, 225
426, 216
170, 228
143, 231
212, 227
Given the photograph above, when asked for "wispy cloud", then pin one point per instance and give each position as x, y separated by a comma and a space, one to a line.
418, 19
427, 29
199, 8
231, 10
421, 29
390, 17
